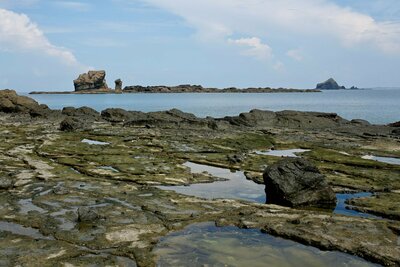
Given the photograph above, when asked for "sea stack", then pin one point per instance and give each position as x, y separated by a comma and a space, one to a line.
329, 84
118, 86
93, 80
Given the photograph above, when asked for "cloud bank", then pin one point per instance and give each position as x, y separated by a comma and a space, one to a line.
298, 18
19, 33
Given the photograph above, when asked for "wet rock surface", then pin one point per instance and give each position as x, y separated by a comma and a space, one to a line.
296, 182
55, 173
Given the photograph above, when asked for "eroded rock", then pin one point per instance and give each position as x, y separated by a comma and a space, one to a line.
93, 80
88, 215
11, 102
329, 84
295, 182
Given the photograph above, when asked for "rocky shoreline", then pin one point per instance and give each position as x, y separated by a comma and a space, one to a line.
180, 89
79, 187
94, 82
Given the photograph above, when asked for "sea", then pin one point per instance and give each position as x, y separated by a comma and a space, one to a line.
377, 105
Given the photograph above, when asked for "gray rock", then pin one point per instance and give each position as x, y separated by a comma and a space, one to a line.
88, 215
11, 102
329, 84
396, 132
93, 80
6, 182
295, 182
118, 86
360, 122
82, 112
72, 124
116, 115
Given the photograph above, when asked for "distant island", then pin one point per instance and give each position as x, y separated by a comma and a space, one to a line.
331, 84
94, 82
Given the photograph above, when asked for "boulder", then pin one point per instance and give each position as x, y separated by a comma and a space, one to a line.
88, 215
395, 124
93, 80
295, 182
116, 115
360, 122
72, 124
329, 84
82, 112
11, 102
6, 182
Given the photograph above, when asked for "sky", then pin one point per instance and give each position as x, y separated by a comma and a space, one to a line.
46, 44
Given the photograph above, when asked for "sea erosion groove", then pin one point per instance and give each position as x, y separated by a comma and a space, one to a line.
79, 188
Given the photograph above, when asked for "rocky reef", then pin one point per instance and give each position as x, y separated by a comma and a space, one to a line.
330, 84
88, 193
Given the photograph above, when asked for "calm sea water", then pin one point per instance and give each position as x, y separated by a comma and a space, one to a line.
375, 105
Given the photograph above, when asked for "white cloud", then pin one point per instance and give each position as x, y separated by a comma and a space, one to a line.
296, 54
321, 19
254, 47
19, 33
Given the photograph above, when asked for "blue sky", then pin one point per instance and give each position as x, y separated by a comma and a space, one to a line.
45, 44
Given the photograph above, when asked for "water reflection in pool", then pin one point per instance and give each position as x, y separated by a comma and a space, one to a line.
236, 187
207, 245
388, 160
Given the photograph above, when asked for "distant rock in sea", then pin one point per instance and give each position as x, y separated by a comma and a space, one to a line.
93, 80
330, 84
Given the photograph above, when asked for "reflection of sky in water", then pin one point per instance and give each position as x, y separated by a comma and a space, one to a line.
93, 142
341, 205
206, 245
237, 187
395, 161
282, 153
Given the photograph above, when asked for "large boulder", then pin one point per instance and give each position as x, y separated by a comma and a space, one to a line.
11, 102
329, 84
93, 80
116, 115
295, 182
74, 124
87, 215
82, 112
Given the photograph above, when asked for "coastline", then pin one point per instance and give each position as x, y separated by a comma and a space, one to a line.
173, 91
57, 163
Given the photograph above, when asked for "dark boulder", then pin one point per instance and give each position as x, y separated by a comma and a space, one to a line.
395, 124
295, 182
93, 80
6, 181
116, 115
11, 102
72, 124
360, 122
82, 112
396, 132
329, 84
88, 215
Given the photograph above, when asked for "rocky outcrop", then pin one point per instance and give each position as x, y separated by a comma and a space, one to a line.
395, 124
116, 115
11, 102
329, 84
118, 86
287, 119
93, 80
295, 182
82, 112
73, 124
